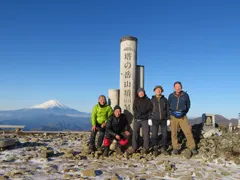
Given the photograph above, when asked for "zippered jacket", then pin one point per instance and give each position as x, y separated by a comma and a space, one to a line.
179, 105
100, 114
160, 108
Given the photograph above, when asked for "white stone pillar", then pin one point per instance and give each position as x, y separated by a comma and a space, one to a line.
140, 77
113, 97
230, 127
213, 120
128, 63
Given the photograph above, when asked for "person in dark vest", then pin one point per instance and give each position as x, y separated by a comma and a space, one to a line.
160, 115
179, 102
142, 108
100, 113
117, 128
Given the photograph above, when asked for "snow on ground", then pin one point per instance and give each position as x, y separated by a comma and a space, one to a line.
25, 162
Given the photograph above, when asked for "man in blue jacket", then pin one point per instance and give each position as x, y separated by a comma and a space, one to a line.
179, 103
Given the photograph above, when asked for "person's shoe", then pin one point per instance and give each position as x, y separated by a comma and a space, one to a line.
131, 151
91, 149
106, 151
194, 152
165, 152
155, 151
119, 150
99, 148
175, 151
144, 151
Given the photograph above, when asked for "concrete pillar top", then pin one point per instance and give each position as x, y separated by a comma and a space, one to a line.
124, 38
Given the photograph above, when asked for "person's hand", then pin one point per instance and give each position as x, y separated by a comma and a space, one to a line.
103, 125
168, 122
127, 133
150, 122
117, 137
94, 128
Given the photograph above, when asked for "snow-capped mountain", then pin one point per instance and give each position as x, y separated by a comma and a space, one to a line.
51, 107
50, 104
50, 115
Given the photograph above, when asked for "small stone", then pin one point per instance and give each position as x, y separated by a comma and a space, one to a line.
225, 173
43, 148
89, 173
3, 178
67, 176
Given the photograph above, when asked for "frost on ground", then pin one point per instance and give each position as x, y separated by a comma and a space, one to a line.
65, 156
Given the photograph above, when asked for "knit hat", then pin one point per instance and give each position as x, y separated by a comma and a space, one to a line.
141, 89
158, 87
117, 107
178, 82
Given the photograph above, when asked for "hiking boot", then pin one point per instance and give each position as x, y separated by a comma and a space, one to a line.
119, 150
99, 149
165, 152
106, 151
194, 152
91, 150
144, 151
131, 151
175, 151
155, 151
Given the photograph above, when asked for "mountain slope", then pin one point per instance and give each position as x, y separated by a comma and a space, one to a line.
219, 119
46, 108
50, 115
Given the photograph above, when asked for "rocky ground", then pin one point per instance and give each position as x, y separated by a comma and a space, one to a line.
65, 156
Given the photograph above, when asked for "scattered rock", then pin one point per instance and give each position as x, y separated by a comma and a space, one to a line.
88, 173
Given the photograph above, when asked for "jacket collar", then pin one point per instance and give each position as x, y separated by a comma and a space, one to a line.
181, 94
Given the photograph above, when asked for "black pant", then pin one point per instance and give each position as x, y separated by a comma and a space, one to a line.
155, 128
100, 138
136, 130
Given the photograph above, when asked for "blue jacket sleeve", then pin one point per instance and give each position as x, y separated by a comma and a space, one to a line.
188, 103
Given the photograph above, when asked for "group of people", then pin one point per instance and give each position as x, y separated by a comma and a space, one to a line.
157, 112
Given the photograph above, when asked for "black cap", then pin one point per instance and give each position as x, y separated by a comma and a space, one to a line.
158, 87
140, 89
117, 107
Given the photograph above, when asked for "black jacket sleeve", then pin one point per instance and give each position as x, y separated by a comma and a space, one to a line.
109, 127
168, 110
149, 109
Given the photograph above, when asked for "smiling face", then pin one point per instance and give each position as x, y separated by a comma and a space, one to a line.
158, 91
141, 94
102, 100
178, 88
117, 112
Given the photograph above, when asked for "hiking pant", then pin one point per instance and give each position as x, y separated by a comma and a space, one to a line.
145, 131
185, 126
122, 142
155, 128
100, 138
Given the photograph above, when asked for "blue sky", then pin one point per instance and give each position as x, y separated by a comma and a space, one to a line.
69, 50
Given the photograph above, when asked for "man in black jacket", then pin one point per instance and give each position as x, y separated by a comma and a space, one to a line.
142, 108
117, 128
159, 117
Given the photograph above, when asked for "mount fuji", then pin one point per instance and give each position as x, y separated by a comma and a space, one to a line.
50, 115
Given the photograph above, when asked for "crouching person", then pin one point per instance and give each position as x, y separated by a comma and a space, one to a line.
101, 112
117, 128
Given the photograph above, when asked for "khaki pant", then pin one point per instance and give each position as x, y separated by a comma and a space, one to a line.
185, 126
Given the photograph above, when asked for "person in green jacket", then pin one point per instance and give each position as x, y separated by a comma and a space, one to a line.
100, 114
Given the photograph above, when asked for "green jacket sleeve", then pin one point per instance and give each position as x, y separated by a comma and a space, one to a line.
94, 116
